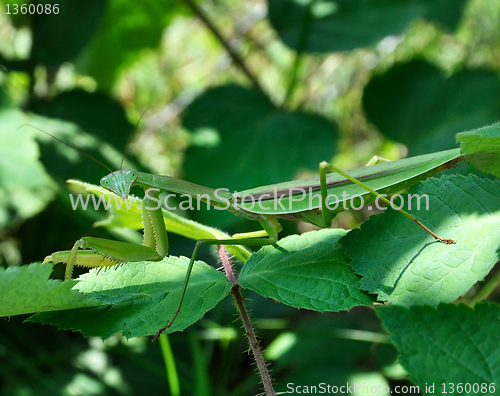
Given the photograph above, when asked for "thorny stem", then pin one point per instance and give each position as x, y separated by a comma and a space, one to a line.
232, 53
226, 264
247, 324
252, 341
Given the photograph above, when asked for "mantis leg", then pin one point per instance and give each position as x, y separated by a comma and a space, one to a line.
101, 253
106, 252
376, 159
155, 233
271, 228
327, 218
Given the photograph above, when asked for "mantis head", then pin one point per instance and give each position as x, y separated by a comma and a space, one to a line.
120, 182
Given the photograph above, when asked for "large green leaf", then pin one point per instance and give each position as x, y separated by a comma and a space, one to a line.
417, 105
140, 298
60, 37
403, 264
240, 140
251, 142
100, 129
481, 147
341, 25
95, 112
25, 187
450, 344
308, 271
28, 289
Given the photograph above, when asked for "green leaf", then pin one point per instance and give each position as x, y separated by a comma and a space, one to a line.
308, 271
140, 298
405, 265
28, 289
481, 147
97, 126
247, 142
60, 37
417, 105
128, 26
249, 137
342, 25
6, 101
449, 345
25, 187
95, 112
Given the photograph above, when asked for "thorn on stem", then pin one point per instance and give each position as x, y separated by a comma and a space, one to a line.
226, 264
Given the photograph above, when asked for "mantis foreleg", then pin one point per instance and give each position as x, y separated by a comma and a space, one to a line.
106, 252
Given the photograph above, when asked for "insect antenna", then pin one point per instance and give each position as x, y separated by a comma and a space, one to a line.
69, 145
128, 144
132, 135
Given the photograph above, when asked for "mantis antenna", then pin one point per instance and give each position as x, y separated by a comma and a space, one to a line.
132, 135
69, 145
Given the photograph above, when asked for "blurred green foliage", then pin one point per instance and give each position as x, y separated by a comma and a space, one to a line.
339, 81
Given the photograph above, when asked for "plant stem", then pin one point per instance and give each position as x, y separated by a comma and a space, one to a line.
226, 264
293, 80
203, 385
247, 324
487, 289
252, 341
299, 54
232, 53
168, 357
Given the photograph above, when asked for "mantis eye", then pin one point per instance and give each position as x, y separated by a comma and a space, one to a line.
105, 182
131, 176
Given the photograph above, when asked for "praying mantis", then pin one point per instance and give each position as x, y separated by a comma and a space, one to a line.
314, 200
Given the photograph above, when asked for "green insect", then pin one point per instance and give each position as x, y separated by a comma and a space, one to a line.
297, 200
